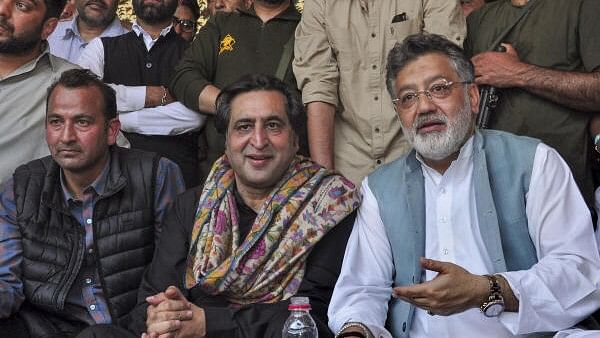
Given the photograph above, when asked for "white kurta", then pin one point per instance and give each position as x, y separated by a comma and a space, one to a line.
559, 290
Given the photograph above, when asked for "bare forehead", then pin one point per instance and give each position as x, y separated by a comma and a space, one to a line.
86, 98
424, 70
259, 104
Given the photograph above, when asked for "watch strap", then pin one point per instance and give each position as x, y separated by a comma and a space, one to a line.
363, 332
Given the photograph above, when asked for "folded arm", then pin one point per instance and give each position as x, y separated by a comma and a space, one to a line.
192, 83
129, 98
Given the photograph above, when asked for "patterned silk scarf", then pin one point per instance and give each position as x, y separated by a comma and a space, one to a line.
268, 265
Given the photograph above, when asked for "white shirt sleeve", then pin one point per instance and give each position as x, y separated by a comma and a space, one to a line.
129, 98
364, 287
577, 333
562, 288
171, 119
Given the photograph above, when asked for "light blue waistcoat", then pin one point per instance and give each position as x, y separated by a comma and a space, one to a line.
502, 165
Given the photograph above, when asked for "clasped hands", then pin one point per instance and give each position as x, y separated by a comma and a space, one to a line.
170, 315
453, 290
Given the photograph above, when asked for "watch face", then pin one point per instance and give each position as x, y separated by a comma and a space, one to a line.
494, 309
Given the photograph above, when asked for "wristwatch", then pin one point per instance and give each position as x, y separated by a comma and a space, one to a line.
494, 306
597, 142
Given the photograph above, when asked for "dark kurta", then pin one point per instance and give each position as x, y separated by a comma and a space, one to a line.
259, 320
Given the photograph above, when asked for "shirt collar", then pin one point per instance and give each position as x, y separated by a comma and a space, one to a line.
114, 27
140, 31
71, 29
31, 65
464, 156
97, 186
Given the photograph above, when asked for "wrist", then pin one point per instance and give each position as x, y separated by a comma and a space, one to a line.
354, 329
482, 291
163, 99
596, 141
494, 305
524, 75
200, 316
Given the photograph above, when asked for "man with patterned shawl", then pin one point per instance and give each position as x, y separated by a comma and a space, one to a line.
267, 225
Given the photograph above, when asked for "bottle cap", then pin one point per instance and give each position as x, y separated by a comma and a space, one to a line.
299, 303
299, 307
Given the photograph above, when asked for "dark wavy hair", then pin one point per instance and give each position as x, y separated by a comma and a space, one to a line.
260, 82
78, 78
417, 45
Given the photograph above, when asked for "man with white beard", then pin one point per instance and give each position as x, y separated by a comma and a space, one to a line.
466, 235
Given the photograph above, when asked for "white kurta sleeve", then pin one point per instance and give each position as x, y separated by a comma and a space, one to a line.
364, 286
562, 288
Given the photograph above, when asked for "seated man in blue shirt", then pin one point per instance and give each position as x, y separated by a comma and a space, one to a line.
77, 228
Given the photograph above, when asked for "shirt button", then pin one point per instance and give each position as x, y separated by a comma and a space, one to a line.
442, 219
374, 66
378, 161
88, 281
443, 191
376, 129
90, 251
88, 221
93, 307
373, 35
445, 251
376, 98
148, 65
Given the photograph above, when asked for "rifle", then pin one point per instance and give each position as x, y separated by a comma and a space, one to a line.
488, 100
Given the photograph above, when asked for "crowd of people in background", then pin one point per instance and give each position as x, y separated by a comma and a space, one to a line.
161, 179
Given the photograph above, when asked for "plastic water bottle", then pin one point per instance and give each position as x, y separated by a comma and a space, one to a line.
300, 324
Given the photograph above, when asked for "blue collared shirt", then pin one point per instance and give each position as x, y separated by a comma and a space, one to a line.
169, 183
66, 41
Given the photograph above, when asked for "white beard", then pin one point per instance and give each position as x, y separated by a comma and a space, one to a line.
439, 145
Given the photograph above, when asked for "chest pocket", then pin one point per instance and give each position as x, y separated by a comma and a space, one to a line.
396, 32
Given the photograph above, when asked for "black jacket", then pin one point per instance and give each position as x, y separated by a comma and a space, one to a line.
54, 241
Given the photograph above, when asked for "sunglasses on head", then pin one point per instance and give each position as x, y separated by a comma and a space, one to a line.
186, 25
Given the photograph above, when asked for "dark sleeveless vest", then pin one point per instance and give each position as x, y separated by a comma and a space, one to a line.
54, 241
128, 62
